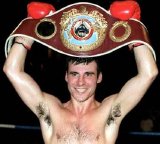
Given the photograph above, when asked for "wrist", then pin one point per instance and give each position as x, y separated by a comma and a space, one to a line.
25, 42
132, 46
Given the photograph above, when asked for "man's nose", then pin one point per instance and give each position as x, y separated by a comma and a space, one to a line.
81, 80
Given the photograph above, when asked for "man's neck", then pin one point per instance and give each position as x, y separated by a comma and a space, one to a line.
81, 108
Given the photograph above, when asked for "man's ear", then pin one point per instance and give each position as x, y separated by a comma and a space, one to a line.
66, 77
100, 77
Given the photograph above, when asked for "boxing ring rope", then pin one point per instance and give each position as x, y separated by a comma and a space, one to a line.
144, 133
27, 127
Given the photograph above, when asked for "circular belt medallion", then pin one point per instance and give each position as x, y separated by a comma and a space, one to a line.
45, 29
124, 34
82, 30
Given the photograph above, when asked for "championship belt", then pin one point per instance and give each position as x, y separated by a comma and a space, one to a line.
81, 30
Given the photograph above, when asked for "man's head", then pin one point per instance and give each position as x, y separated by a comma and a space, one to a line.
82, 76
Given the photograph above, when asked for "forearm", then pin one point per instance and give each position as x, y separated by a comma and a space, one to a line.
146, 64
16, 58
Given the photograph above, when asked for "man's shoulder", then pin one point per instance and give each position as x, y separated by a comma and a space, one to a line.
109, 98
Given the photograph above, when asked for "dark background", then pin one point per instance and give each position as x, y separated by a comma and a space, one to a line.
118, 67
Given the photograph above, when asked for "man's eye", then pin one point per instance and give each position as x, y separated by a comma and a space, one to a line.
73, 73
89, 74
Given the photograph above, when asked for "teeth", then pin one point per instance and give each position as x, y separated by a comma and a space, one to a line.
80, 90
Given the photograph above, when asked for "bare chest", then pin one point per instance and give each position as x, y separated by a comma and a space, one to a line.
77, 134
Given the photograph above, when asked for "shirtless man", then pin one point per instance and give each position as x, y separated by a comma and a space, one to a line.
81, 120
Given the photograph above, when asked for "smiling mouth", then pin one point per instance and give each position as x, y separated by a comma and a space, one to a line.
81, 90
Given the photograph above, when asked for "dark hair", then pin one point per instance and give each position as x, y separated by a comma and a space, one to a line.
85, 60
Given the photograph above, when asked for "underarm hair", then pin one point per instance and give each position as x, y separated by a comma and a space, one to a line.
115, 112
43, 113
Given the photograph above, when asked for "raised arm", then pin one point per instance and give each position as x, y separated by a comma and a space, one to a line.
14, 65
134, 89
24, 84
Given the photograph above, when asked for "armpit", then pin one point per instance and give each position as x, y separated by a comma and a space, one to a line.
115, 112
43, 113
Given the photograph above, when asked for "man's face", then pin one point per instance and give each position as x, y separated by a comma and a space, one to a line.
82, 80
